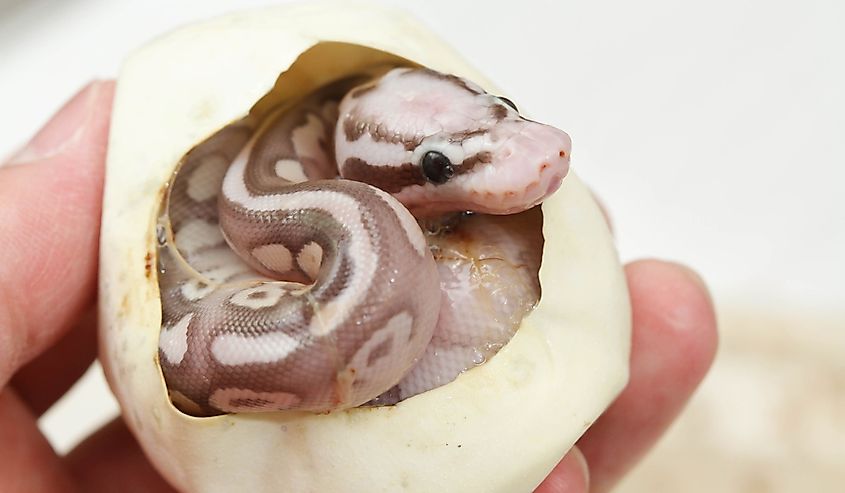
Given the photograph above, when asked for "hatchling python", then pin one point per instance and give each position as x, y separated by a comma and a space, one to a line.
287, 287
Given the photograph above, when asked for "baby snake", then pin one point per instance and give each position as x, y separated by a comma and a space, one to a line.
286, 288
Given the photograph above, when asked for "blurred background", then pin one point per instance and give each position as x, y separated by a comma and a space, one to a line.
715, 133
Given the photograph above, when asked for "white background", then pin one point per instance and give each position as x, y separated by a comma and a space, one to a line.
714, 131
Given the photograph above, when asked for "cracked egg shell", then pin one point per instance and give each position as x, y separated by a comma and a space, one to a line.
499, 427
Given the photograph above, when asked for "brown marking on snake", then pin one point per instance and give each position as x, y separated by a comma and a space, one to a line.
468, 164
454, 79
355, 126
500, 112
394, 178
338, 283
249, 402
391, 179
381, 350
462, 136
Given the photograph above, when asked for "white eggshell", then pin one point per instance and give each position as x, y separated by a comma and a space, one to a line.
499, 427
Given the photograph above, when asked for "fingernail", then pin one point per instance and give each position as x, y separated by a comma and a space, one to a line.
570, 475
63, 131
582, 464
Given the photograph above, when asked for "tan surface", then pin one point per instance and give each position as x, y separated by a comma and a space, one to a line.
769, 418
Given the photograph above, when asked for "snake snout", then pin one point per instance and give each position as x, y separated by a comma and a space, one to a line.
554, 184
553, 164
556, 168
524, 173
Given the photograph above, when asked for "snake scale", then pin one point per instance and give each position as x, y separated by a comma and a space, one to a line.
286, 287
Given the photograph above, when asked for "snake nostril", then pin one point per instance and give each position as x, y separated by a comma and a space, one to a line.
544, 167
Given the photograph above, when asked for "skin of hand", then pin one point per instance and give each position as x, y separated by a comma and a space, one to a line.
50, 203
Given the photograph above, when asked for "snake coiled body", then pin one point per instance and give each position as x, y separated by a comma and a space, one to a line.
284, 287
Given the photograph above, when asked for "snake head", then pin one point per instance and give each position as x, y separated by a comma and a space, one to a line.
440, 143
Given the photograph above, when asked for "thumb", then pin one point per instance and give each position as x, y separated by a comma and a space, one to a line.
50, 194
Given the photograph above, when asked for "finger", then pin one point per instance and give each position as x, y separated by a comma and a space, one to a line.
29, 463
110, 460
571, 475
43, 380
49, 221
673, 344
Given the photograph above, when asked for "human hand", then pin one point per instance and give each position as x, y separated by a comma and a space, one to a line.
49, 220
674, 341
50, 196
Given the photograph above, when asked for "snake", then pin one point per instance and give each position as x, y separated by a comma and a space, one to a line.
294, 262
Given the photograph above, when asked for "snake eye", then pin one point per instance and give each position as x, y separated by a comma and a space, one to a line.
437, 168
509, 103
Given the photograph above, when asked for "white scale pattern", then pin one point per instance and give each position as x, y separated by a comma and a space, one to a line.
235, 349
310, 258
224, 399
173, 341
256, 298
275, 257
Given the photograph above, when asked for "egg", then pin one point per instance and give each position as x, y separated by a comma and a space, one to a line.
499, 427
